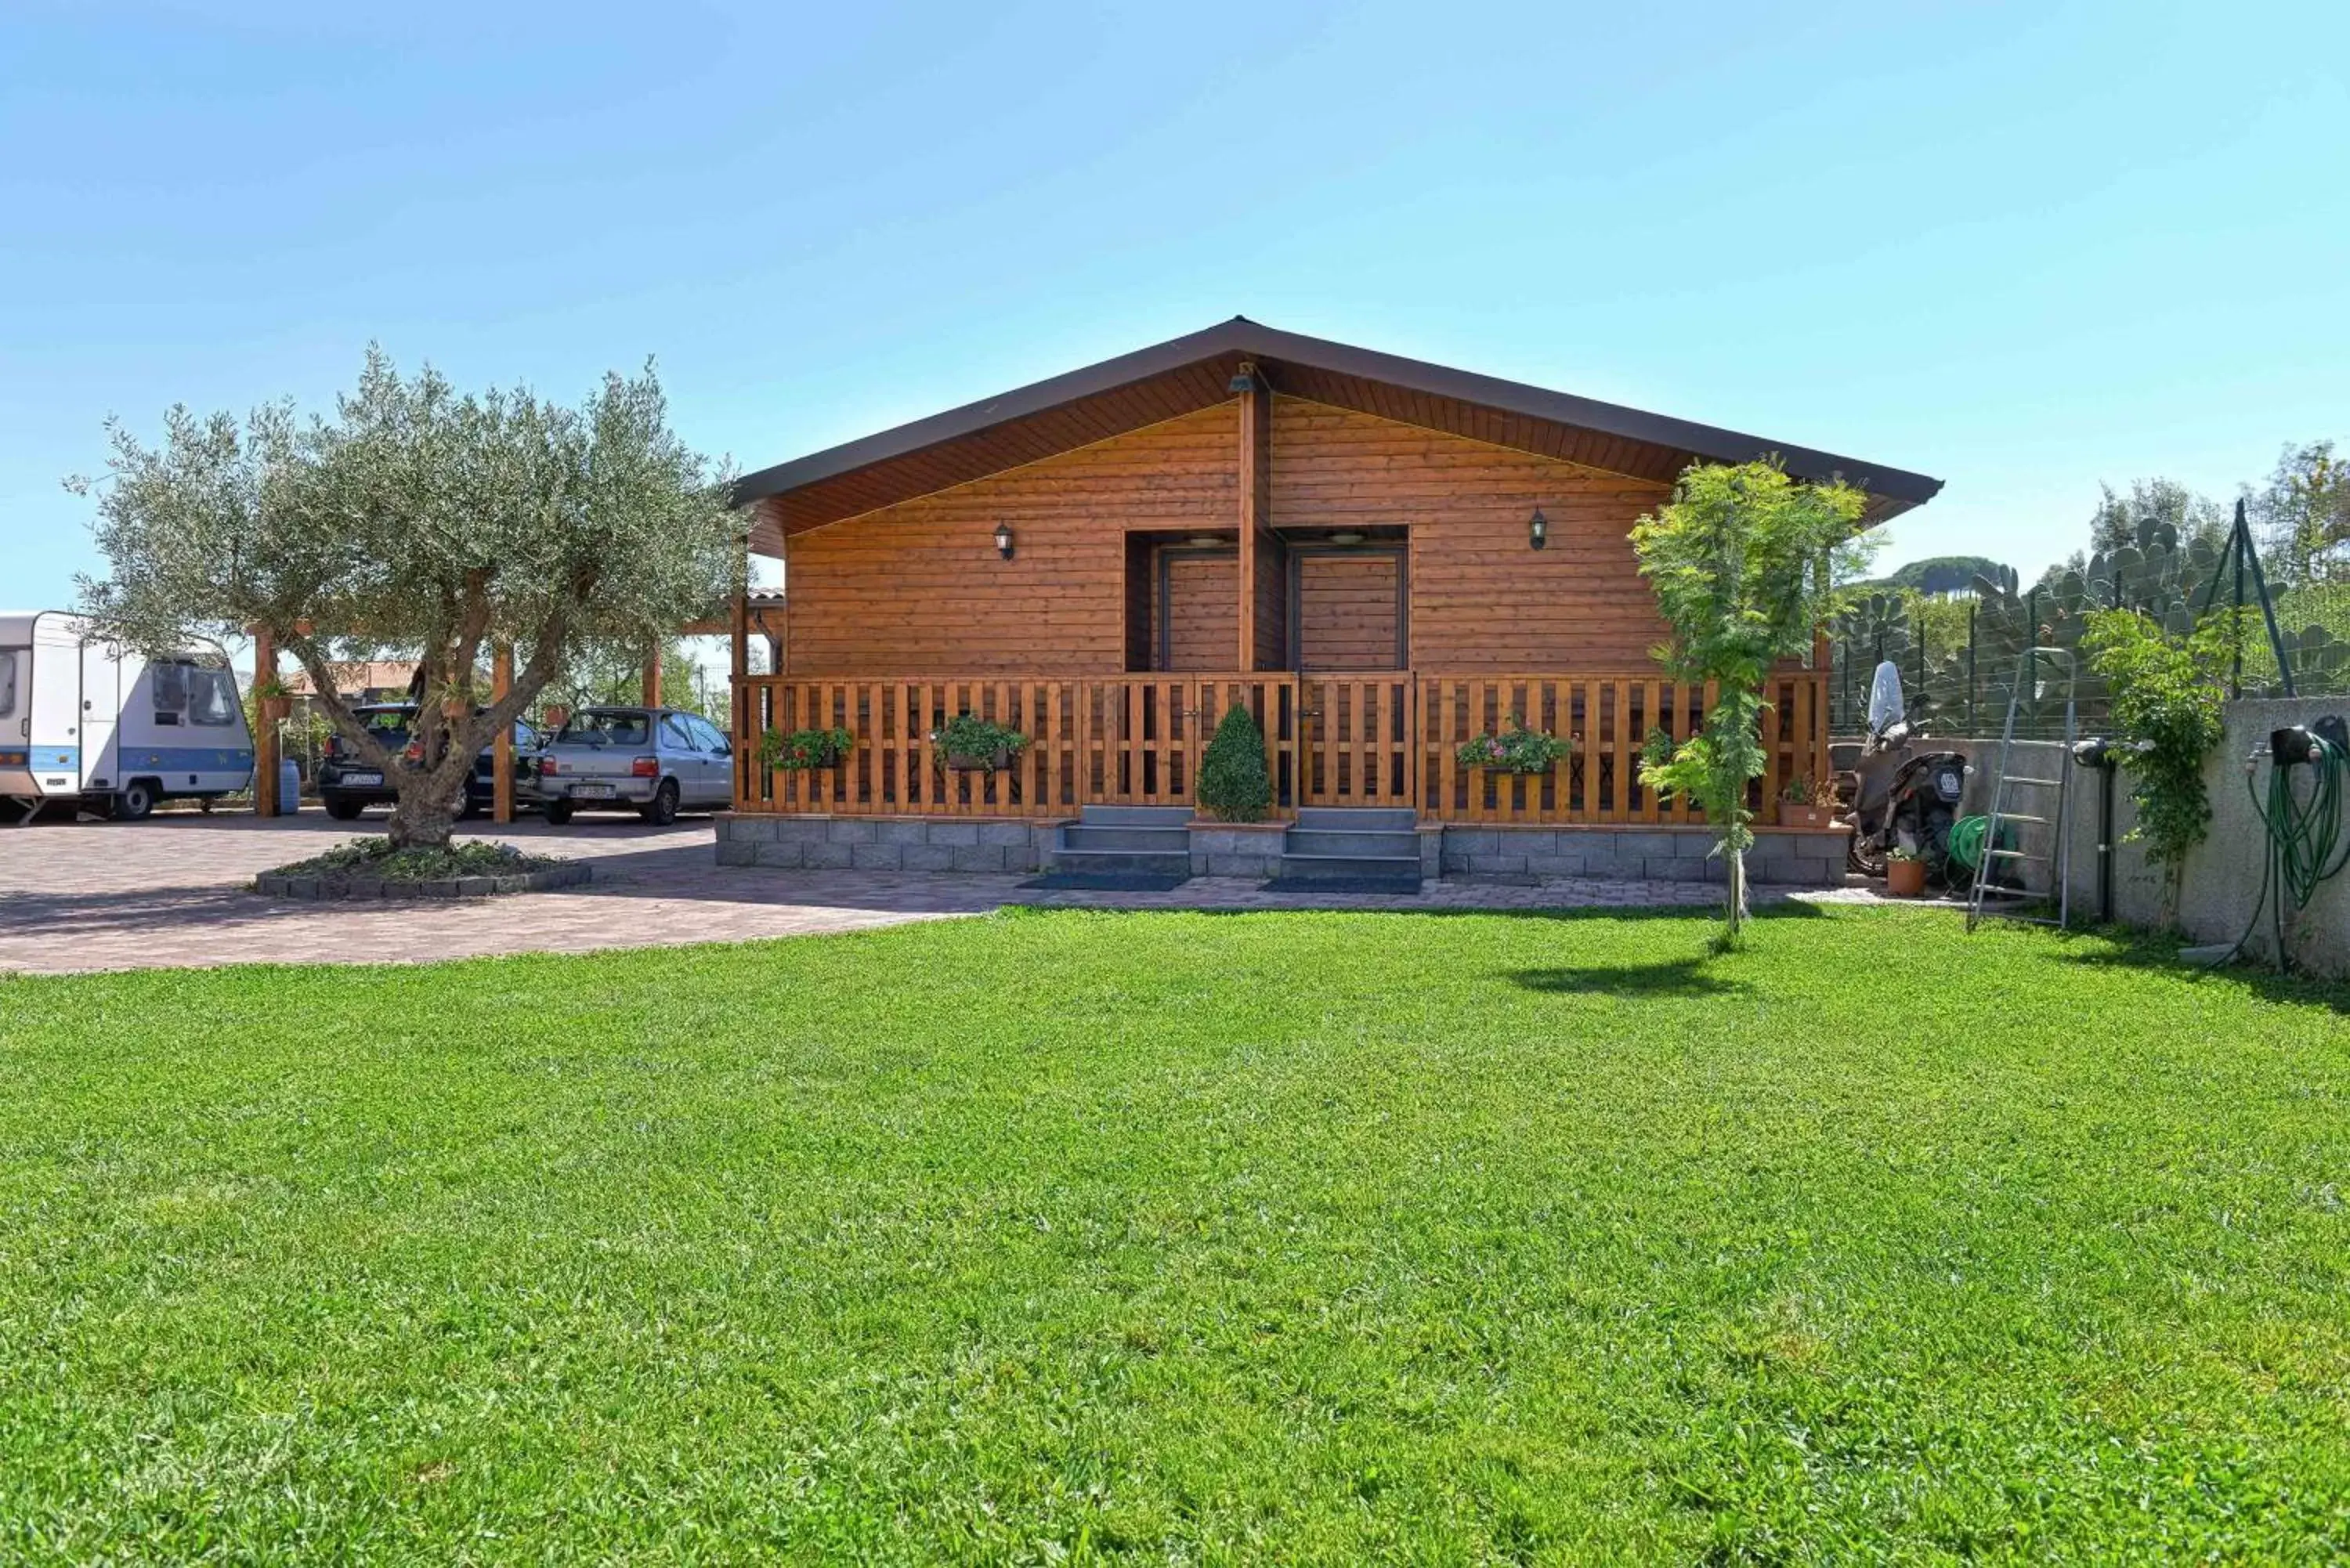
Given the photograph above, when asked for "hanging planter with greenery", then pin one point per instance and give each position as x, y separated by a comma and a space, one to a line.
969, 743
804, 750
273, 698
1516, 750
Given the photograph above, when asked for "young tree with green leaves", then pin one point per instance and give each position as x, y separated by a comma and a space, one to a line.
1746, 564
422, 520
2168, 693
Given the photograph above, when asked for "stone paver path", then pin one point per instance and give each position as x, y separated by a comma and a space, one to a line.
170, 892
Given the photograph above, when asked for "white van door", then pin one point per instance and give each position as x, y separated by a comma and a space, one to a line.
56, 706
101, 703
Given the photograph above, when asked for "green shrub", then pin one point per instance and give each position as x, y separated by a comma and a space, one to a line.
2166, 698
1233, 784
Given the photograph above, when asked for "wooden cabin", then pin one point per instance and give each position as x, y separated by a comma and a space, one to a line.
1381, 557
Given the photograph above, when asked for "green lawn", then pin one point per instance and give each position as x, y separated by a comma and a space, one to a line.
1184, 1237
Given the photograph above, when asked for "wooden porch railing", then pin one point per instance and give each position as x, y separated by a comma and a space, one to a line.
1376, 739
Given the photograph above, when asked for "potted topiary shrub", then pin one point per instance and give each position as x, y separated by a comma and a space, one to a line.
804, 750
1516, 750
1807, 803
1905, 873
1233, 784
969, 743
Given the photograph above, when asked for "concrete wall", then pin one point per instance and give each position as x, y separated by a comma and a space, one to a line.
882, 844
1632, 854
1606, 854
2220, 883
1236, 849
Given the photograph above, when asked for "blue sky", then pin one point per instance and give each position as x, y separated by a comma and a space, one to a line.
2020, 247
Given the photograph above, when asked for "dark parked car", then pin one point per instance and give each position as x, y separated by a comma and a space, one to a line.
348, 784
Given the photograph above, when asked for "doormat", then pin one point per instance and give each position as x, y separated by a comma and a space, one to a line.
1103, 882
1308, 887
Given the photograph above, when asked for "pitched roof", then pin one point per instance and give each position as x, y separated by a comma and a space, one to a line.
1186, 374
373, 675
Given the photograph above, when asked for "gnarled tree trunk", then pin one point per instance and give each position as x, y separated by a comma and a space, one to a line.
420, 820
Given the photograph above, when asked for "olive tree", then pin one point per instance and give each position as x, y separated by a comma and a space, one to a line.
1745, 563
417, 519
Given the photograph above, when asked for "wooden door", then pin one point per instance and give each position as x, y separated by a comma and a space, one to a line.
1198, 610
1347, 609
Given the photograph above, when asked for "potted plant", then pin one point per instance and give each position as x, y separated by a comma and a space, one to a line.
1807, 803
455, 696
1905, 872
1234, 782
969, 743
1516, 750
804, 751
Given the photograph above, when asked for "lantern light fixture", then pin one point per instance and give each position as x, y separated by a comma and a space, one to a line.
1003, 540
1538, 529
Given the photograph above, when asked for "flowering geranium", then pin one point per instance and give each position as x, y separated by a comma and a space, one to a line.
1516, 750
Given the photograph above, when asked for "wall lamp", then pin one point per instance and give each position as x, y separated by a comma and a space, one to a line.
1538, 529
1003, 540
1245, 379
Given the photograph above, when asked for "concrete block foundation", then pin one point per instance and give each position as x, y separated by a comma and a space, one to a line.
1783, 856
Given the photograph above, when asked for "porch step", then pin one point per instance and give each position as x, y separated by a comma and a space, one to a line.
1357, 819
1160, 840
1173, 816
1352, 849
1121, 863
1110, 844
1320, 841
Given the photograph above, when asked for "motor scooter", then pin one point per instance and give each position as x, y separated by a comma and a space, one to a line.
1906, 794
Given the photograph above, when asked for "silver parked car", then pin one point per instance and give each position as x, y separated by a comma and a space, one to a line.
655, 761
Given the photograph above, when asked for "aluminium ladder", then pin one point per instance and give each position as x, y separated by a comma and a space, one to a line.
1985, 899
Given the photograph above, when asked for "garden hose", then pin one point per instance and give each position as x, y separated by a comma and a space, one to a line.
1966, 841
2306, 844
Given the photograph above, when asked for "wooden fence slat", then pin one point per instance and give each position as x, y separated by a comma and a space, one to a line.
1383, 739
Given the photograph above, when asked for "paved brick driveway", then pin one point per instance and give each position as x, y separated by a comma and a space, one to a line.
169, 892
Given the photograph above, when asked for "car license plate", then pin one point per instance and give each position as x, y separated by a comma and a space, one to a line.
354, 781
591, 791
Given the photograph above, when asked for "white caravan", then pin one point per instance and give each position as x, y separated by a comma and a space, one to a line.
93, 723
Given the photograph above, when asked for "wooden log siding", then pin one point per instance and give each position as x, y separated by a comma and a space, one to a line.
1480, 599
1359, 739
1129, 740
918, 585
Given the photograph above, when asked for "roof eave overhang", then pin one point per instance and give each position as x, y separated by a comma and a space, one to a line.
1891, 491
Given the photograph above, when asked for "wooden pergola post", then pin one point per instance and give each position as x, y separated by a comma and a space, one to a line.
654, 674
265, 738
1248, 518
502, 780
739, 724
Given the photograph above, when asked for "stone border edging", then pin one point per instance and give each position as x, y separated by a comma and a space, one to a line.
333, 889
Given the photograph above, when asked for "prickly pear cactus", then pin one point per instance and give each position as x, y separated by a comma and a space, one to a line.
1956, 686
